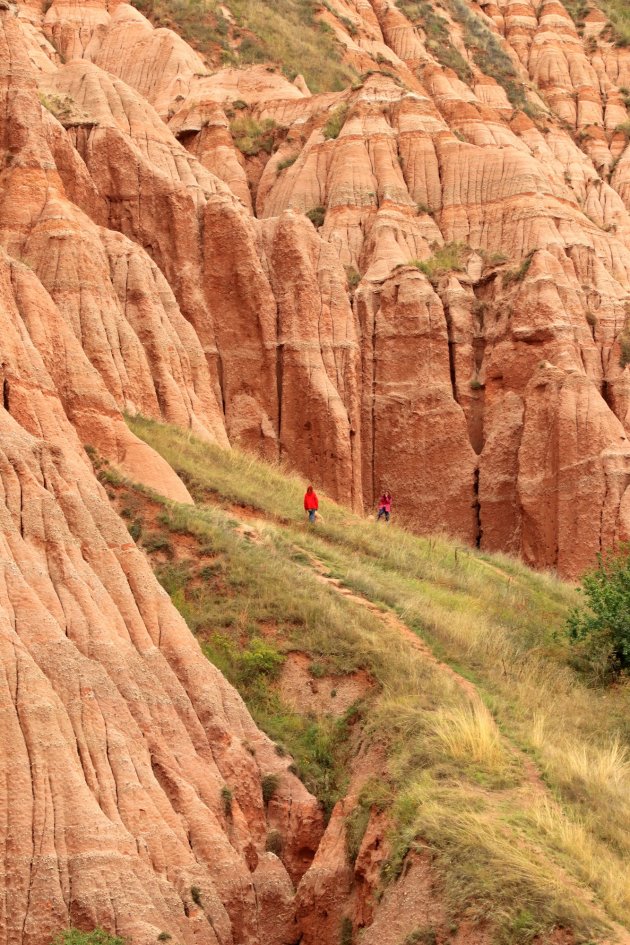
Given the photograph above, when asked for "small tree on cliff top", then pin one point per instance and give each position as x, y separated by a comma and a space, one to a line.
604, 627
95, 937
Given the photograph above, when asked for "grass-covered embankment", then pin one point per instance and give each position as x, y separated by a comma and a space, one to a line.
286, 32
460, 775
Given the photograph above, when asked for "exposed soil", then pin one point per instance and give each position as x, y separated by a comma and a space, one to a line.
321, 695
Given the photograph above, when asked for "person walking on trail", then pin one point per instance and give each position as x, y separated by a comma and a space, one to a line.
384, 507
311, 504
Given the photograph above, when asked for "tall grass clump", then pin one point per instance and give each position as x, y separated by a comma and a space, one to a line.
335, 123
469, 733
448, 258
250, 136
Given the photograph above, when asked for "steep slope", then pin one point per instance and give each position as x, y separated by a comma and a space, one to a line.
330, 634
117, 736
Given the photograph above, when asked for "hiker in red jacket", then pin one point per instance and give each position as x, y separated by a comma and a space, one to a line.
311, 504
384, 507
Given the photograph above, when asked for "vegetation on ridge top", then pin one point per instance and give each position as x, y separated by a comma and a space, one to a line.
96, 937
605, 626
285, 32
455, 776
617, 11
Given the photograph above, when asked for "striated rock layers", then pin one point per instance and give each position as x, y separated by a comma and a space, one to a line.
162, 206
118, 736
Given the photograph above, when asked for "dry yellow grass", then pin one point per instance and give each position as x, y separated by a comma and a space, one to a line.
469, 733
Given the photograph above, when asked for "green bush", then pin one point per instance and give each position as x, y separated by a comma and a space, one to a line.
269, 786
252, 137
353, 277
316, 215
448, 258
345, 931
422, 936
604, 627
96, 937
288, 162
273, 843
517, 275
154, 542
227, 796
260, 659
135, 530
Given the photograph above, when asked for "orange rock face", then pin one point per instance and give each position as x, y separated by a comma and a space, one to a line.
117, 734
199, 294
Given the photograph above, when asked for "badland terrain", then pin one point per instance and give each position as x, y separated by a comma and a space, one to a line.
378, 244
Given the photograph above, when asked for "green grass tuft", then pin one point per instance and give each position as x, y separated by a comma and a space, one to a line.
286, 32
250, 136
96, 937
335, 123
448, 258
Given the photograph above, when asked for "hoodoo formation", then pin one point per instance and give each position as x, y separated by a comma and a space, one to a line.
386, 242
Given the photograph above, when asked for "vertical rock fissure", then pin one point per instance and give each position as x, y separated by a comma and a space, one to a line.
279, 384
451, 350
477, 508
373, 409
5, 395
220, 379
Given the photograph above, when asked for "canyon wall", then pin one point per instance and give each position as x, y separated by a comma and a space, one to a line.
489, 393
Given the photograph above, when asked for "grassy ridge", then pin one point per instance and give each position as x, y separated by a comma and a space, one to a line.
531, 856
617, 11
285, 32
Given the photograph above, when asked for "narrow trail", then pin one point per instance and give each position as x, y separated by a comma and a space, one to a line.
392, 621
533, 776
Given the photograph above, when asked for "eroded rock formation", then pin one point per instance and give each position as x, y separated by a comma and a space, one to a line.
149, 264
233, 316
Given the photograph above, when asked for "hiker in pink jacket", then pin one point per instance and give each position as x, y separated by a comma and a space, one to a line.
384, 507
